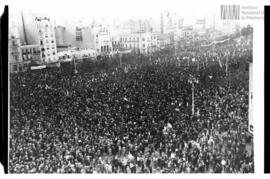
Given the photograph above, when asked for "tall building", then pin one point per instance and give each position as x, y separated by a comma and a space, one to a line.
46, 39
39, 29
161, 24
16, 63
74, 35
170, 22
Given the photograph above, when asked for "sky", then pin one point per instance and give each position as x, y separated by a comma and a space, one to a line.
114, 8
73, 10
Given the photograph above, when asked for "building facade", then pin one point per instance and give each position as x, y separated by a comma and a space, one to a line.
102, 40
31, 53
16, 64
137, 42
47, 40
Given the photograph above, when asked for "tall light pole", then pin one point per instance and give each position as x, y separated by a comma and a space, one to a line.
192, 80
227, 54
193, 105
74, 63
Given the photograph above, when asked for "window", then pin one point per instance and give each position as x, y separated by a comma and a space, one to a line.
79, 34
15, 68
25, 66
41, 42
143, 45
143, 39
52, 41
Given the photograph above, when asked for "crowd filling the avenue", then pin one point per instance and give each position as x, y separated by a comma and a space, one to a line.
141, 114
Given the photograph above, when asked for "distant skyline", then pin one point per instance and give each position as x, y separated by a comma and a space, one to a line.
73, 11
133, 9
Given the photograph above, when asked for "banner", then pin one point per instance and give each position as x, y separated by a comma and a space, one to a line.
37, 67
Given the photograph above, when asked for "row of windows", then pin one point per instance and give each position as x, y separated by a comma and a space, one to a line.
30, 57
49, 54
137, 38
14, 43
49, 59
64, 57
30, 50
19, 67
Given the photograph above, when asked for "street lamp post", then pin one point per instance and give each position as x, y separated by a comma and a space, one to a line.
192, 80
227, 64
74, 63
193, 105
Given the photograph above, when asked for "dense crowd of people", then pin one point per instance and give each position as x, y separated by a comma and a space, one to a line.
136, 119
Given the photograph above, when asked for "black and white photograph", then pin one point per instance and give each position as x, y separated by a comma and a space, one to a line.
138, 89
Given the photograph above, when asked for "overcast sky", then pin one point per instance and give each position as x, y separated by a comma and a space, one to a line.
62, 10
115, 8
